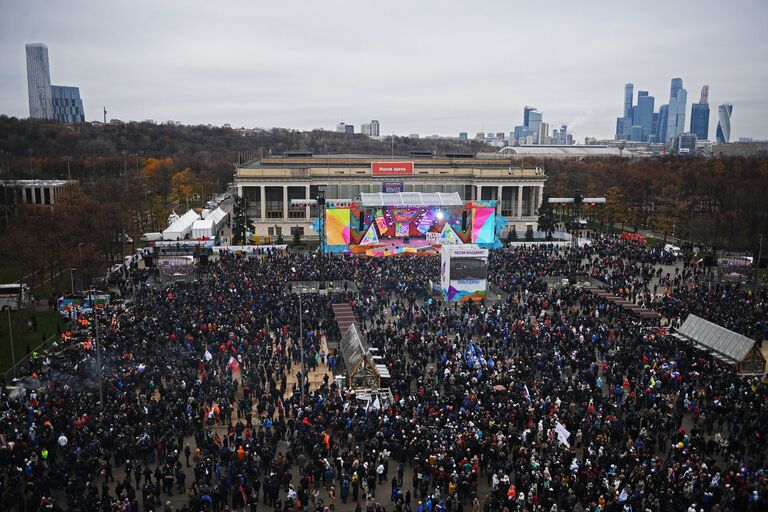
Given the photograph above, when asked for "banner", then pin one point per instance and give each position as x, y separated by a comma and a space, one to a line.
390, 187
391, 168
562, 434
337, 230
483, 225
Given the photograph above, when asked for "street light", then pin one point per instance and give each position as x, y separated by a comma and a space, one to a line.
97, 346
80, 254
72, 278
13, 352
301, 342
68, 159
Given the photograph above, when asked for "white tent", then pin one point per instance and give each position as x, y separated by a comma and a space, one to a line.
181, 227
219, 216
202, 228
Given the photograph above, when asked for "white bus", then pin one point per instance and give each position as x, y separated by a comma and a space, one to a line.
13, 296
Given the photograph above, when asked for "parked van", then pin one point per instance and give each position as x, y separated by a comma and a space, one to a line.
151, 237
13, 296
673, 250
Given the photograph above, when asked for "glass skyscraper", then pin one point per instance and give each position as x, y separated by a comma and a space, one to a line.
643, 115
39, 82
676, 114
700, 115
724, 123
67, 105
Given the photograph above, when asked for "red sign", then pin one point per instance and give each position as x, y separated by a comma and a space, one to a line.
391, 168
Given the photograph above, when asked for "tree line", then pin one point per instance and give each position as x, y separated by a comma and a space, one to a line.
132, 175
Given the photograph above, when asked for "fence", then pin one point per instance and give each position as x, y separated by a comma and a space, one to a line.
22, 363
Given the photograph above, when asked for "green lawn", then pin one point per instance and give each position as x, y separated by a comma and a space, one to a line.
23, 338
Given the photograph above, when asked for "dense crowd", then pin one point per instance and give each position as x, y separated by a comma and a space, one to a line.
202, 395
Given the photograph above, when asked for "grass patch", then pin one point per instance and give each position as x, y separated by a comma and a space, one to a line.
23, 338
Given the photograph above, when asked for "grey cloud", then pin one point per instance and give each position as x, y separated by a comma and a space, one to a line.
425, 67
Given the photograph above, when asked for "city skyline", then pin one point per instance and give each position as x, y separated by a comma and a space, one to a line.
269, 67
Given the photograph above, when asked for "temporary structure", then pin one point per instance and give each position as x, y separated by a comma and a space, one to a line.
181, 227
727, 346
202, 228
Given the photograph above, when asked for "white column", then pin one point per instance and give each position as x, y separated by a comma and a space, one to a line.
498, 199
478, 192
285, 202
306, 196
541, 196
263, 203
519, 201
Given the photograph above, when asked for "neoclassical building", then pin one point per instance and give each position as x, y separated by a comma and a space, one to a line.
270, 183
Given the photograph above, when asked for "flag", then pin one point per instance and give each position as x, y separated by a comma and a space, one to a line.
526, 393
376, 404
233, 364
623, 496
208, 356
217, 440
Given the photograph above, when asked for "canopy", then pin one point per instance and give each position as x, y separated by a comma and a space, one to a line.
202, 228
411, 199
181, 227
726, 345
359, 367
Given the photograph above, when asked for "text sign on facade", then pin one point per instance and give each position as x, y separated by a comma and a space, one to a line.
390, 187
391, 168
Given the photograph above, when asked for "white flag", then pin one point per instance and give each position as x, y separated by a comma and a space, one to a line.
208, 356
376, 404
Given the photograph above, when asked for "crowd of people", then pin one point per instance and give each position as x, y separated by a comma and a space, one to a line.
547, 399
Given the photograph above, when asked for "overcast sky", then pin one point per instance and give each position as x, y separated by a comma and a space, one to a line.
426, 67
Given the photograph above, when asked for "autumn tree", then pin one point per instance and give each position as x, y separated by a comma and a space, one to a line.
183, 184
157, 174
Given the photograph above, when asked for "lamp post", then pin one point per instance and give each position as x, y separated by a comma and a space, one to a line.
13, 352
80, 256
72, 278
759, 257
68, 159
301, 343
97, 346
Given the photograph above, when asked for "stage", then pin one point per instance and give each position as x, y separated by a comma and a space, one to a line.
397, 246
393, 224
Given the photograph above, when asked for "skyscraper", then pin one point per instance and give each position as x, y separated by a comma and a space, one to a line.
676, 115
39, 82
661, 129
724, 123
628, 93
67, 105
534, 125
625, 122
700, 115
642, 115
526, 115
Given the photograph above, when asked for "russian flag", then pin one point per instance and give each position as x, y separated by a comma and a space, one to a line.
526, 393
233, 364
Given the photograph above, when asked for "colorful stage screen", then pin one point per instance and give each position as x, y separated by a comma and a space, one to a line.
337, 231
401, 229
483, 225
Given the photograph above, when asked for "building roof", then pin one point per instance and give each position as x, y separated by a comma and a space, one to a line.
181, 225
550, 150
726, 345
35, 183
410, 199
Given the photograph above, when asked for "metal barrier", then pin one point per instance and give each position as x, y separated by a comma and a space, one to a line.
8, 374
